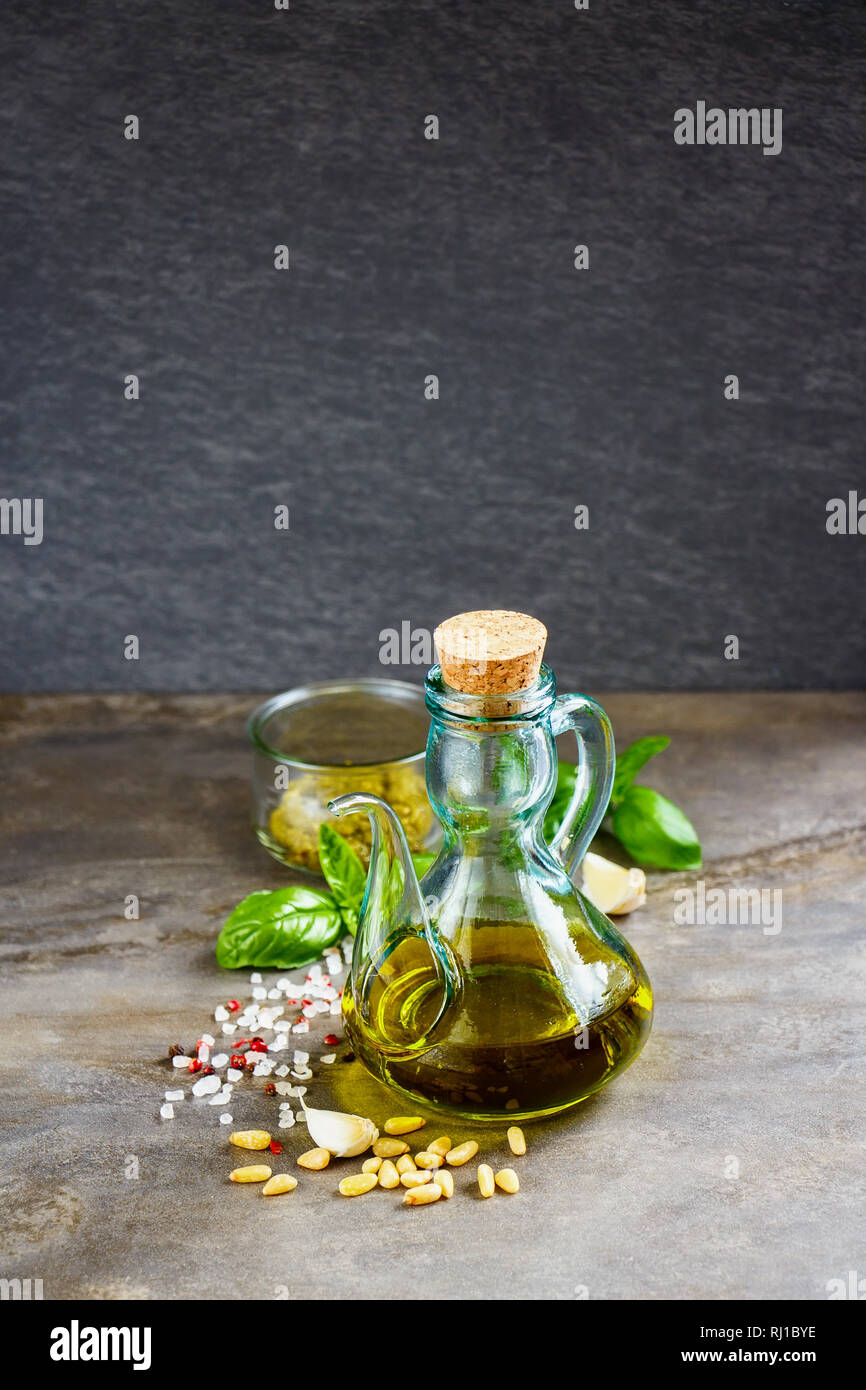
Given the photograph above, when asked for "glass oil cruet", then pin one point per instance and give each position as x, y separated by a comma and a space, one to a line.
495, 988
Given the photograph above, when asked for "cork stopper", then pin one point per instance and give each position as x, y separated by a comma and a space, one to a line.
490, 651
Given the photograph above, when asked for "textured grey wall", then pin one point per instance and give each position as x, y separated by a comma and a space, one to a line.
409, 256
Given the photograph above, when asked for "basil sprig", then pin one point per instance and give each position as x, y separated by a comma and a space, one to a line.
344, 874
655, 832
279, 930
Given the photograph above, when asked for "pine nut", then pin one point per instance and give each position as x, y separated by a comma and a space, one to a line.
516, 1140
388, 1175
250, 1138
414, 1179
279, 1183
371, 1165
428, 1160
358, 1184
440, 1146
254, 1172
444, 1180
462, 1153
508, 1180
422, 1196
405, 1164
389, 1148
315, 1158
404, 1124
485, 1180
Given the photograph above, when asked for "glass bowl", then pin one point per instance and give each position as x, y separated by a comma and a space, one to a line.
321, 740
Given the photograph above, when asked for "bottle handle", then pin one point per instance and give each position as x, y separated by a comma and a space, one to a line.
592, 786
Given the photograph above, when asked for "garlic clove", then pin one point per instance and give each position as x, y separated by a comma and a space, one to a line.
613, 889
345, 1136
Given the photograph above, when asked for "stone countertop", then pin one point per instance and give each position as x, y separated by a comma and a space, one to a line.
728, 1162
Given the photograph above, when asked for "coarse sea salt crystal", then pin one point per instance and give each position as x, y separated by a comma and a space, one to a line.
309, 1011
280, 1043
166, 1112
283, 1088
220, 1099
302, 1074
282, 1025
347, 948
179, 1062
255, 978
259, 992
219, 1060
234, 1074
174, 1095
284, 983
301, 1058
336, 1007
314, 972
302, 1026
323, 1006
229, 1028
220, 1013
226, 1119
206, 1086
203, 1053
275, 993
261, 1069
284, 1105
331, 1057
206, 1038
286, 1121
282, 1070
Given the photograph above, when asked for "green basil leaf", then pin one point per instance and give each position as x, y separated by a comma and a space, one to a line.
655, 832
629, 763
279, 930
344, 872
422, 863
555, 814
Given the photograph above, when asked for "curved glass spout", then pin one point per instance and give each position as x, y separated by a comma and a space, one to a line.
403, 977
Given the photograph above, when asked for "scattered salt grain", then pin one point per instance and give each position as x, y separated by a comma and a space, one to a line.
203, 1053
279, 1043
226, 1119
206, 1085
234, 1074
301, 1058
322, 1006
282, 1025
309, 1011
255, 978
282, 1070
262, 1069
174, 1095
166, 1112
206, 1038
286, 1120
229, 1028
283, 1088
260, 992
284, 983
336, 1007
180, 1062
275, 994
331, 1057
220, 1013
219, 1060
302, 1026
221, 1099
302, 1074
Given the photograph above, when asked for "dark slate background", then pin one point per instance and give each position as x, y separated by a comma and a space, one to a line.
411, 257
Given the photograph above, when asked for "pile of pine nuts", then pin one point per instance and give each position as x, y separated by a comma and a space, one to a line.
426, 1176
